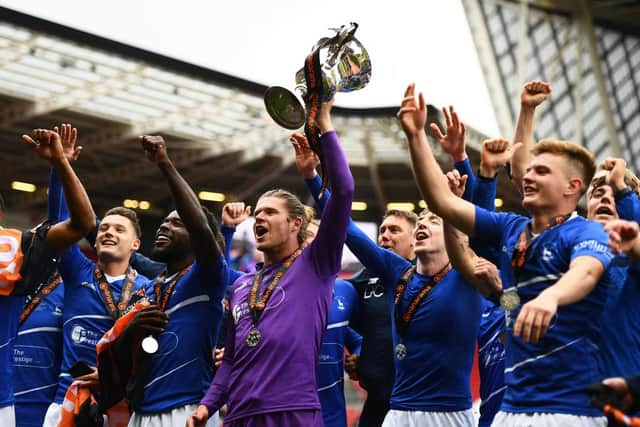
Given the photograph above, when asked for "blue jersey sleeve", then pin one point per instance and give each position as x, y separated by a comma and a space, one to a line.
314, 185
370, 255
74, 267
489, 227
628, 207
464, 167
484, 194
592, 240
227, 233
146, 266
352, 340
56, 205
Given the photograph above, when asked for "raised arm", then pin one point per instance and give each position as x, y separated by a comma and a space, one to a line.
233, 214
533, 94
61, 236
370, 255
496, 153
326, 248
202, 238
428, 174
453, 143
477, 272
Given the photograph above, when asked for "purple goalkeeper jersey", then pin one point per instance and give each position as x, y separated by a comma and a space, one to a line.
279, 374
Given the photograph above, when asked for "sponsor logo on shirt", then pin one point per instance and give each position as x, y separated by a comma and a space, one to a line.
374, 289
82, 336
238, 311
592, 245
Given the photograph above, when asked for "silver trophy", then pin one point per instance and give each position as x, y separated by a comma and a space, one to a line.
344, 67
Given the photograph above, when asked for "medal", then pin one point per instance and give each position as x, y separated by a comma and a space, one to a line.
150, 345
401, 351
510, 300
253, 337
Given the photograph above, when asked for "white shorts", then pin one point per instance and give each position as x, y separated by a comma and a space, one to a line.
7, 416
396, 418
52, 417
511, 419
177, 417
54, 413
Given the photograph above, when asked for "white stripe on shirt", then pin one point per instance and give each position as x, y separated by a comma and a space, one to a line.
170, 372
188, 301
88, 316
541, 356
338, 325
43, 329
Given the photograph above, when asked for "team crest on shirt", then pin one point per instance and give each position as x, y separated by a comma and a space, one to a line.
547, 255
340, 302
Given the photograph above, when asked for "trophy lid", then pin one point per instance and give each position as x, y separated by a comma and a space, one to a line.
284, 108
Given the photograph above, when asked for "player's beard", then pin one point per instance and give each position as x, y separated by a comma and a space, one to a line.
176, 250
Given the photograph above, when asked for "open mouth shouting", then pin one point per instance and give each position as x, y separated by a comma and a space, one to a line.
421, 235
604, 210
260, 231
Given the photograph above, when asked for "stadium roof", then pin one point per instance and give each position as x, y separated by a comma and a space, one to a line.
217, 130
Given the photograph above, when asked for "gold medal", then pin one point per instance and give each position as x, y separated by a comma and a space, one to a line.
510, 300
253, 338
401, 351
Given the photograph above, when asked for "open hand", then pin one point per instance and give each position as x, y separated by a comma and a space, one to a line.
306, 159
46, 143
412, 113
69, 137
453, 142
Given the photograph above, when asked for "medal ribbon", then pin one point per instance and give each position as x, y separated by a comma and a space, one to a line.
163, 300
115, 310
32, 302
313, 77
257, 303
519, 256
402, 321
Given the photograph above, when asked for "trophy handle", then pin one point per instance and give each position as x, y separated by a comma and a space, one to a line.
284, 107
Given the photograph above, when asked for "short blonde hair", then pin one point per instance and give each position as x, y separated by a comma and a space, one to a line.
576, 154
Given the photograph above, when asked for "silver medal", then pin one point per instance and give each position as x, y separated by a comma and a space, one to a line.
401, 351
253, 337
150, 345
510, 300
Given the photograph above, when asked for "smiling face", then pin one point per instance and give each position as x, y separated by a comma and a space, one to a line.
172, 239
116, 239
601, 204
549, 182
428, 236
274, 230
396, 235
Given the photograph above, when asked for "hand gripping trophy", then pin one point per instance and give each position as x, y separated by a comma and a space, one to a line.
336, 64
